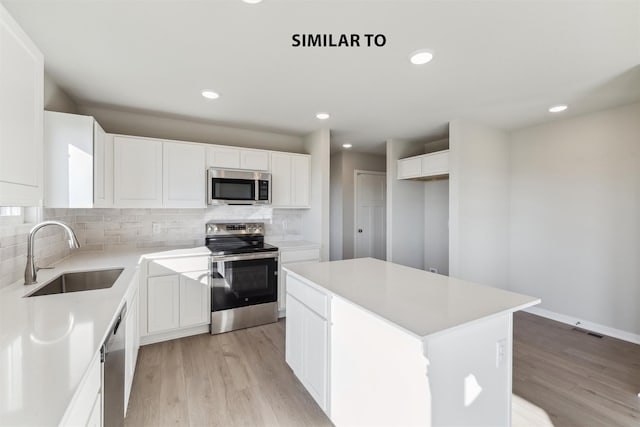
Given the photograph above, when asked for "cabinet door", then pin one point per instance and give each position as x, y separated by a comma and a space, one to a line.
183, 175
254, 160
68, 160
223, 157
314, 364
138, 172
131, 347
102, 167
21, 116
194, 299
300, 172
294, 335
95, 417
435, 164
280, 179
163, 296
409, 168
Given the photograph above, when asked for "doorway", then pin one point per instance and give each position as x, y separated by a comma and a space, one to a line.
370, 208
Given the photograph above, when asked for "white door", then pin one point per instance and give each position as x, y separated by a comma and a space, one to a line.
370, 214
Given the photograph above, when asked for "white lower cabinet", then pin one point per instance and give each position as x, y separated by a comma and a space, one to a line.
290, 256
174, 305
132, 343
194, 298
163, 305
307, 338
95, 418
86, 406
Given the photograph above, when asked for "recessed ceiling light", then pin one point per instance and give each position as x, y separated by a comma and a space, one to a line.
420, 57
209, 94
557, 108
323, 116
347, 145
252, 1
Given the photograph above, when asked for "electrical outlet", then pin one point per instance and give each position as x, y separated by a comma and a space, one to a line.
501, 352
433, 270
155, 227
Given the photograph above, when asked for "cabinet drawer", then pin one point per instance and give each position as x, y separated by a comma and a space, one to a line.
164, 267
298, 256
312, 298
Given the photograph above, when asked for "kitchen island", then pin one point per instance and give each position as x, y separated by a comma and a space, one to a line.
376, 343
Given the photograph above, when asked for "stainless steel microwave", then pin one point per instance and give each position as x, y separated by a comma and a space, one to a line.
236, 187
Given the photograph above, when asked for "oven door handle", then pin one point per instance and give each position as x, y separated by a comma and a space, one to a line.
243, 257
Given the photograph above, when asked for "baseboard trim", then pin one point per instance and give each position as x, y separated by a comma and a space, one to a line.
172, 335
585, 324
282, 313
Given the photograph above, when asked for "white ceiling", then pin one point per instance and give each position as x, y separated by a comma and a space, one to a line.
499, 62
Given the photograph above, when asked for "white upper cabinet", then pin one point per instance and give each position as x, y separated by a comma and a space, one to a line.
78, 162
290, 175
424, 166
21, 111
183, 175
254, 160
223, 157
137, 167
409, 168
237, 158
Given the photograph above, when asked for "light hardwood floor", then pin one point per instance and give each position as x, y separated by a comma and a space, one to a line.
561, 378
577, 379
234, 379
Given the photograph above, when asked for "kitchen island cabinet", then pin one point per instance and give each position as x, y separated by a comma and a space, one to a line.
401, 346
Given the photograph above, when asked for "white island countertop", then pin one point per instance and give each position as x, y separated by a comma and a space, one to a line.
48, 342
417, 301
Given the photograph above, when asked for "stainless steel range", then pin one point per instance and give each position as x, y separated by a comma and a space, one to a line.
244, 276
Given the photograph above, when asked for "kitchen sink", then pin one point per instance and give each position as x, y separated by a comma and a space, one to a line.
80, 281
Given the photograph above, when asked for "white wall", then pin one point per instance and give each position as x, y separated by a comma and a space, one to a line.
405, 209
316, 219
183, 129
344, 164
575, 216
436, 225
478, 203
336, 196
56, 99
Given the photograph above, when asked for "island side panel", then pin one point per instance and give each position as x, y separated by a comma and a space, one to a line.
470, 373
378, 372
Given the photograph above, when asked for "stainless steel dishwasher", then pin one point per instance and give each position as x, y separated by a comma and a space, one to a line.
113, 372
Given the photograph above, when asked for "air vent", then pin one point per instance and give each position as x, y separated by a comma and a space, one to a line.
584, 331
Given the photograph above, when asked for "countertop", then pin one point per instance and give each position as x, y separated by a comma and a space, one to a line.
47, 342
293, 244
419, 302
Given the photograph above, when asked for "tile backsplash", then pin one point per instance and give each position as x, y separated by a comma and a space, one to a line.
106, 229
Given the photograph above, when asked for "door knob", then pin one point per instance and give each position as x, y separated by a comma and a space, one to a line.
359, 230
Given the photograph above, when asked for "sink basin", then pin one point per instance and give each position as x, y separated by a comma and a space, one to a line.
80, 281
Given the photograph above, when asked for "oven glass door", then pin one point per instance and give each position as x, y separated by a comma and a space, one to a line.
243, 282
233, 189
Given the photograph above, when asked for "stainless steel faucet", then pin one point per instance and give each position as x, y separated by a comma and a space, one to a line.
31, 271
